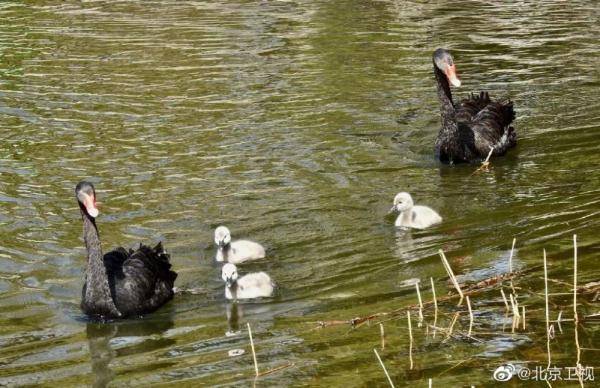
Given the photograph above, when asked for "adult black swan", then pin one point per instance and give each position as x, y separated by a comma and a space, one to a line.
469, 129
121, 283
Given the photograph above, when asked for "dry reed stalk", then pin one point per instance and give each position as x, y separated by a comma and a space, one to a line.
512, 250
275, 369
452, 277
516, 314
515, 311
575, 279
451, 328
252, 346
575, 316
435, 306
382, 336
523, 318
515, 305
384, 369
504, 299
547, 308
578, 363
420, 304
430, 383
411, 339
470, 316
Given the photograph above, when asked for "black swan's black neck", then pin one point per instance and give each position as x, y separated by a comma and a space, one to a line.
447, 145
97, 299
445, 97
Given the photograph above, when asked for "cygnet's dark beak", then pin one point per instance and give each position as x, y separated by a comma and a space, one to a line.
392, 210
221, 244
229, 282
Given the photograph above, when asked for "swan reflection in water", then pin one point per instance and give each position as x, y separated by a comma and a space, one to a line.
235, 312
107, 341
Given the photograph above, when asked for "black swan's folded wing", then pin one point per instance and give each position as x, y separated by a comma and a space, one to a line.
146, 281
468, 108
490, 126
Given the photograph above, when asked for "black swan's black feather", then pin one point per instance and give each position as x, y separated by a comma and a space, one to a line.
140, 281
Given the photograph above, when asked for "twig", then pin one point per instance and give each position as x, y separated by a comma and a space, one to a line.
276, 369
575, 279
420, 304
452, 277
575, 317
382, 336
252, 346
515, 310
451, 328
411, 339
547, 308
435, 305
470, 316
559, 320
384, 369
504, 299
510, 267
523, 308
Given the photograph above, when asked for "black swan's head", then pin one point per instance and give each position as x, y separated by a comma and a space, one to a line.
443, 61
229, 274
86, 196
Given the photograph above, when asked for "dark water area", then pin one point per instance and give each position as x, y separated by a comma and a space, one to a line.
294, 124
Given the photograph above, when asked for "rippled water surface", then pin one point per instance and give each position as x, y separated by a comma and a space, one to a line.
295, 124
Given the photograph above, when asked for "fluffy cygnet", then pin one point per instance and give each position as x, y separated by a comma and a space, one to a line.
411, 216
252, 285
237, 251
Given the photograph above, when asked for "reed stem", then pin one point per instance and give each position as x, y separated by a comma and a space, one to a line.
420, 303
452, 277
512, 250
547, 308
252, 346
470, 316
411, 339
384, 369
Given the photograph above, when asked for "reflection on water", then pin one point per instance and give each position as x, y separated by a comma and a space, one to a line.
99, 336
295, 124
234, 313
106, 341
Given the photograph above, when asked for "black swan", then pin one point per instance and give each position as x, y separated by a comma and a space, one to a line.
471, 128
121, 283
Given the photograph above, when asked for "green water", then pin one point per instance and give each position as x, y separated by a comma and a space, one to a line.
295, 124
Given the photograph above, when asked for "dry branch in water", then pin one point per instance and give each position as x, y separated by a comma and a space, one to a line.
451, 274
253, 352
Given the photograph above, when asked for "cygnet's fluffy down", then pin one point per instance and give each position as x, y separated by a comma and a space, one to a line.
238, 251
413, 216
252, 285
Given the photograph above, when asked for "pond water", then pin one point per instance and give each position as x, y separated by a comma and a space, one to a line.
295, 124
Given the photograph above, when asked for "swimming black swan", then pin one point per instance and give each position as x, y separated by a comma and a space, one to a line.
121, 283
471, 128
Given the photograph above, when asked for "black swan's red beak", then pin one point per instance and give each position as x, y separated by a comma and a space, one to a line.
90, 205
451, 74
